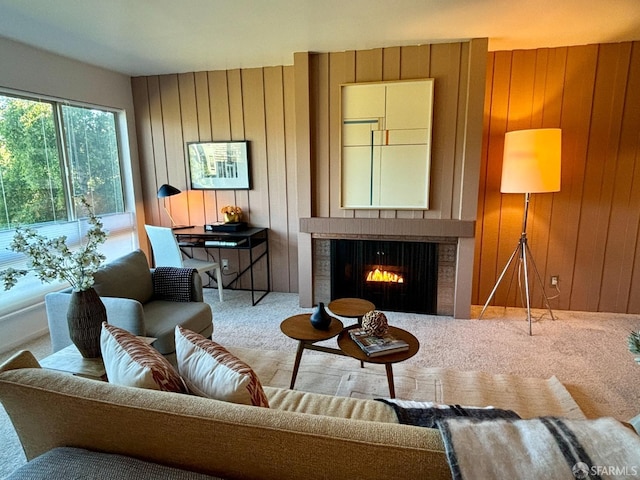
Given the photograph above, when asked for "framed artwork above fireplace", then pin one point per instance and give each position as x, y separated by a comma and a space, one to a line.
386, 144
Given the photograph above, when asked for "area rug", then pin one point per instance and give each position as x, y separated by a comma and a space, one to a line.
337, 375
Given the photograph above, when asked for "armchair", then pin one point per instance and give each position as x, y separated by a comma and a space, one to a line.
144, 301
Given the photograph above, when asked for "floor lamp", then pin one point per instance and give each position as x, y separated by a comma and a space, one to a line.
531, 164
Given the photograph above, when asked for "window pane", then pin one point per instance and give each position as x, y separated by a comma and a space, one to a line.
92, 151
30, 180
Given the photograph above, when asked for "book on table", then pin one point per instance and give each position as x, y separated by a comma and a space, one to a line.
376, 345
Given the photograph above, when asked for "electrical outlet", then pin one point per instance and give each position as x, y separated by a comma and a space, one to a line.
225, 264
554, 280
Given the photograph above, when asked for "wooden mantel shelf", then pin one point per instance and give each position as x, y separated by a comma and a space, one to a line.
333, 227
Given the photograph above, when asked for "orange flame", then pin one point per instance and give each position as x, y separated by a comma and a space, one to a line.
378, 275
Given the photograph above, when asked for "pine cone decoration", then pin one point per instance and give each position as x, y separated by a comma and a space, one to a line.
375, 323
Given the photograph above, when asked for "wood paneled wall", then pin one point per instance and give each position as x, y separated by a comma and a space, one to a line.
588, 233
249, 104
459, 70
450, 65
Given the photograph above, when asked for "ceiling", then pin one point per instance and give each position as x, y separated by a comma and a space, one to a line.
145, 37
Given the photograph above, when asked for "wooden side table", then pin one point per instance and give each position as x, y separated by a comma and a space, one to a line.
350, 348
299, 328
71, 361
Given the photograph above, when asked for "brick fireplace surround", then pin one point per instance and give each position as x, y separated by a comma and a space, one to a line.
455, 239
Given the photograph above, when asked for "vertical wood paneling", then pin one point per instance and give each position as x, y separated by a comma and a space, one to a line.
445, 68
255, 128
225, 105
173, 144
598, 183
337, 76
577, 97
342, 70
625, 213
588, 232
322, 176
483, 176
489, 199
145, 145
190, 131
277, 173
159, 155
220, 110
291, 225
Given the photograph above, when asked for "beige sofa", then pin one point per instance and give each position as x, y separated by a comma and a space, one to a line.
302, 435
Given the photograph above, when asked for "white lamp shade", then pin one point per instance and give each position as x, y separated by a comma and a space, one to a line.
531, 162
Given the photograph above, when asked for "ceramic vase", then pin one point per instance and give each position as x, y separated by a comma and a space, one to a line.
85, 315
231, 217
320, 318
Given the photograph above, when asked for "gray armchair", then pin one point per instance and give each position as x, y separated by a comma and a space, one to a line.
143, 301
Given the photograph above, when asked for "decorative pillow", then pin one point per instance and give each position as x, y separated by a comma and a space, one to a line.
210, 370
130, 361
427, 414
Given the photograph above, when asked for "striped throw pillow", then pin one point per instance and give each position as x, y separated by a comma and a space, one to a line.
211, 371
130, 361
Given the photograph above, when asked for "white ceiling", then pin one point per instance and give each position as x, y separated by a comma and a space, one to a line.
144, 37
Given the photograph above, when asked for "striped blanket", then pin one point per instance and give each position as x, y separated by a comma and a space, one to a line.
428, 414
546, 447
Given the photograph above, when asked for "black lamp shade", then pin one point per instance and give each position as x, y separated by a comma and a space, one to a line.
167, 190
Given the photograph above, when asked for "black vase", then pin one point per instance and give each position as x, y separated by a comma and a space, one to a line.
320, 319
85, 315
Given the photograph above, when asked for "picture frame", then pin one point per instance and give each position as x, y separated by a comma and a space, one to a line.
219, 165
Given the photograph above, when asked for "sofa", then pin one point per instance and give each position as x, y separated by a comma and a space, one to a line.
141, 301
301, 436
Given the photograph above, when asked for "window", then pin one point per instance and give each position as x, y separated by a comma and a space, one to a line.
51, 153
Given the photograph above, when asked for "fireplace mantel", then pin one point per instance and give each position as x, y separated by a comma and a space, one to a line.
459, 234
418, 228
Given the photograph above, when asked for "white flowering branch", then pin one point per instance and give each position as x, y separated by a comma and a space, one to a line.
51, 259
634, 344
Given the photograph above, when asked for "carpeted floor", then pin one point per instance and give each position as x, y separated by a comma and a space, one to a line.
586, 352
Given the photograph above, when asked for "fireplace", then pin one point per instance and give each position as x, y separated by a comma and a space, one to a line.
394, 275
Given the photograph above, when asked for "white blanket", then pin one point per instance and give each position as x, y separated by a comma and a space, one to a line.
546, 447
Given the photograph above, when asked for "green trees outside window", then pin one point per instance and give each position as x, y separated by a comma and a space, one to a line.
51, 152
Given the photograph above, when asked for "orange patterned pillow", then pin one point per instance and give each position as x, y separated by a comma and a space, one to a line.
130, 361
210, 370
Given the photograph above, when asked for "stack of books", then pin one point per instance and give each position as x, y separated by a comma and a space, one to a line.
374, 345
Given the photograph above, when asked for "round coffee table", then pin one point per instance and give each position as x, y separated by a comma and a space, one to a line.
351, 308
350, 348
299, 328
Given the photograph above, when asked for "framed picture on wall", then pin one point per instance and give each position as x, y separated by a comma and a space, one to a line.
219, 165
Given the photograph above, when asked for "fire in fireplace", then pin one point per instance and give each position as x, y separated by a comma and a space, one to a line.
377, 275
395, 276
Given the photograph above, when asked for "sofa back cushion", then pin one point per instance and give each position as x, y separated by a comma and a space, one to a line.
126, 277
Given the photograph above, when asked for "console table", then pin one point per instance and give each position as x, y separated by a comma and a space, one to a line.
249, 240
